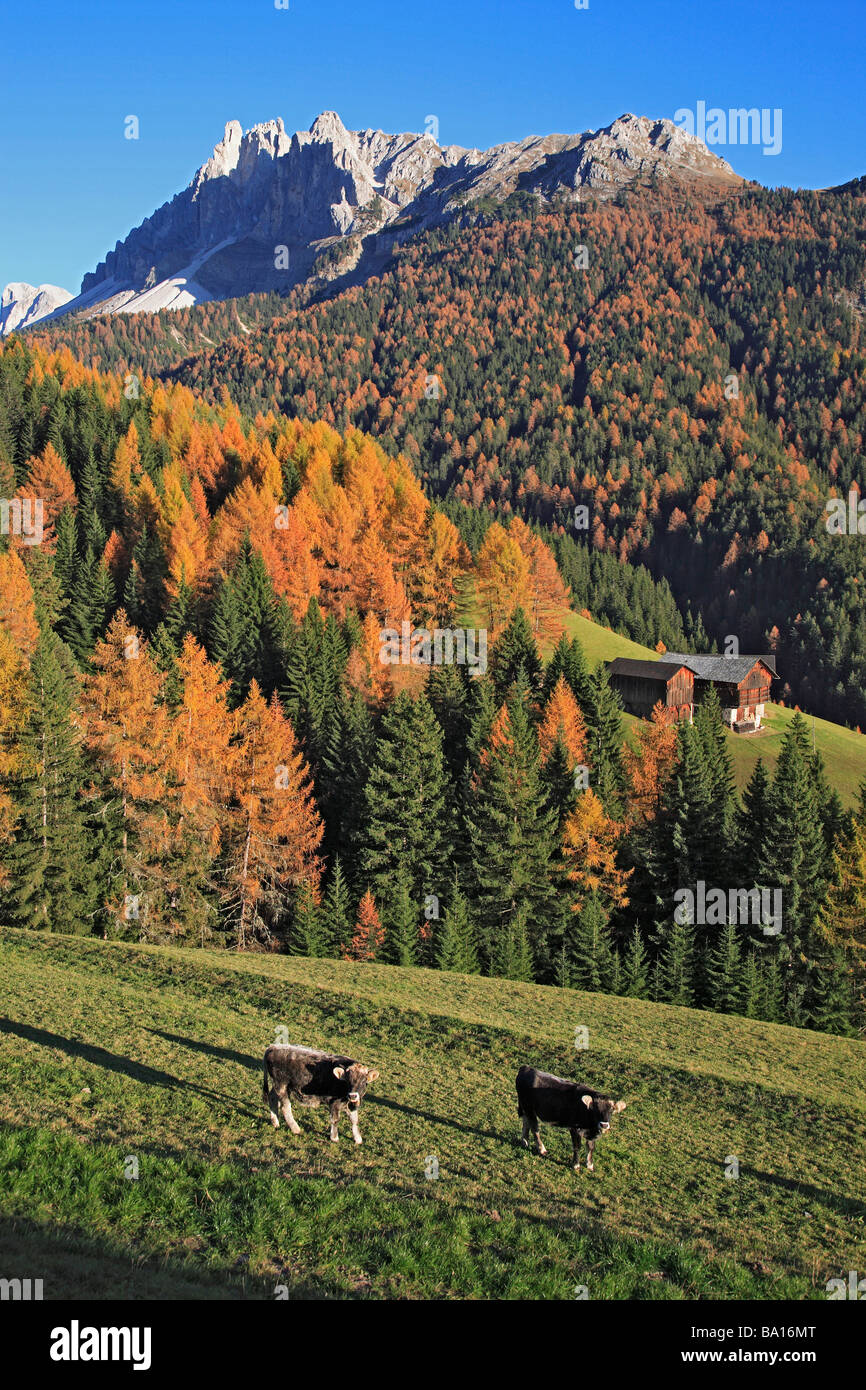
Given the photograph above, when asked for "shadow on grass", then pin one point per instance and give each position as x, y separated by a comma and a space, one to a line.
116, 1062
836, 1201
433, 1118
225, 1054
74, 1265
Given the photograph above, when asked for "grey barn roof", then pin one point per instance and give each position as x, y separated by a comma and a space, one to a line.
721, 668
647, 670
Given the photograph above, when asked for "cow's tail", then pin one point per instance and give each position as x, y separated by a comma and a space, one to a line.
265, 1079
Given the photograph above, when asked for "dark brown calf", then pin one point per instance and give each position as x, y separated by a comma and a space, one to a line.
311, 1078
568, 1104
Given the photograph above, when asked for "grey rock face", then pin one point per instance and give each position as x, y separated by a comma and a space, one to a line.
270, 210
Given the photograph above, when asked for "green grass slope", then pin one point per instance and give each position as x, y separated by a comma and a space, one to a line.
112, 1053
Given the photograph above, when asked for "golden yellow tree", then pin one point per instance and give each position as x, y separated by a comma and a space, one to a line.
19, 632
126, 731
589, 846
502, 575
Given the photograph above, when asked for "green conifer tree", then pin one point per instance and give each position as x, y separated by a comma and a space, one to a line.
724, 972
515, 654
591, 950
455, 945
53, 859
405, 803
676, 966
636, 974
336, 913
512, 836
604, 726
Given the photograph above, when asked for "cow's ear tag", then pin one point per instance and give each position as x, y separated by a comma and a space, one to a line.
587, 1100
339, 1072
620, 1105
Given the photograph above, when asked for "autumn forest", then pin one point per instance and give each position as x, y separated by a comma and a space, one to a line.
201, 742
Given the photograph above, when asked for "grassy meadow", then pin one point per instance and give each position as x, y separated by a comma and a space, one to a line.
115, 1057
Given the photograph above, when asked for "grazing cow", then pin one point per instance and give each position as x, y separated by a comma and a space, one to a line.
308, 1077
541, 1096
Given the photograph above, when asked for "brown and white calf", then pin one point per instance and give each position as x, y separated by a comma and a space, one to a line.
310, 1078
577, 1108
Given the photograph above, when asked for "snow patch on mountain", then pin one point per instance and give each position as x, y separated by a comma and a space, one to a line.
22, 304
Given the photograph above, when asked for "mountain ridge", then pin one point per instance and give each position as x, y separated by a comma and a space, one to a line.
269, 210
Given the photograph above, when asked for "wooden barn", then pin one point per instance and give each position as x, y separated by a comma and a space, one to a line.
642, 684
742, 682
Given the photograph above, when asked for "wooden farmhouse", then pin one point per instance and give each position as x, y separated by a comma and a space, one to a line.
681, 681
742, 682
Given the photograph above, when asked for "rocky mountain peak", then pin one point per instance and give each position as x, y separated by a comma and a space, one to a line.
22, 305
339, 201
328, 126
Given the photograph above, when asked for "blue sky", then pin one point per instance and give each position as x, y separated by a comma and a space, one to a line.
489, 70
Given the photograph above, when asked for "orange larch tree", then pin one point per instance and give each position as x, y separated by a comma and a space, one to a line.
273, 830
369, 933
563, 720
49, 480
649, 762
126, 731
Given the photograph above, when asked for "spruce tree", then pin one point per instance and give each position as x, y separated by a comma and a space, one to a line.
336, 913
511, 834
512, 953
794, 858
560, 783
515, 655
347, 770
604, 725
224, 635
751, 823
676, 966
405, 803
751, 999
255, 657
591, 950
568, 660
455, 944
401, 918
53, 858
832, 1005
773, 991
724, 972
635, 971
449, 695
710, 732
309, 930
